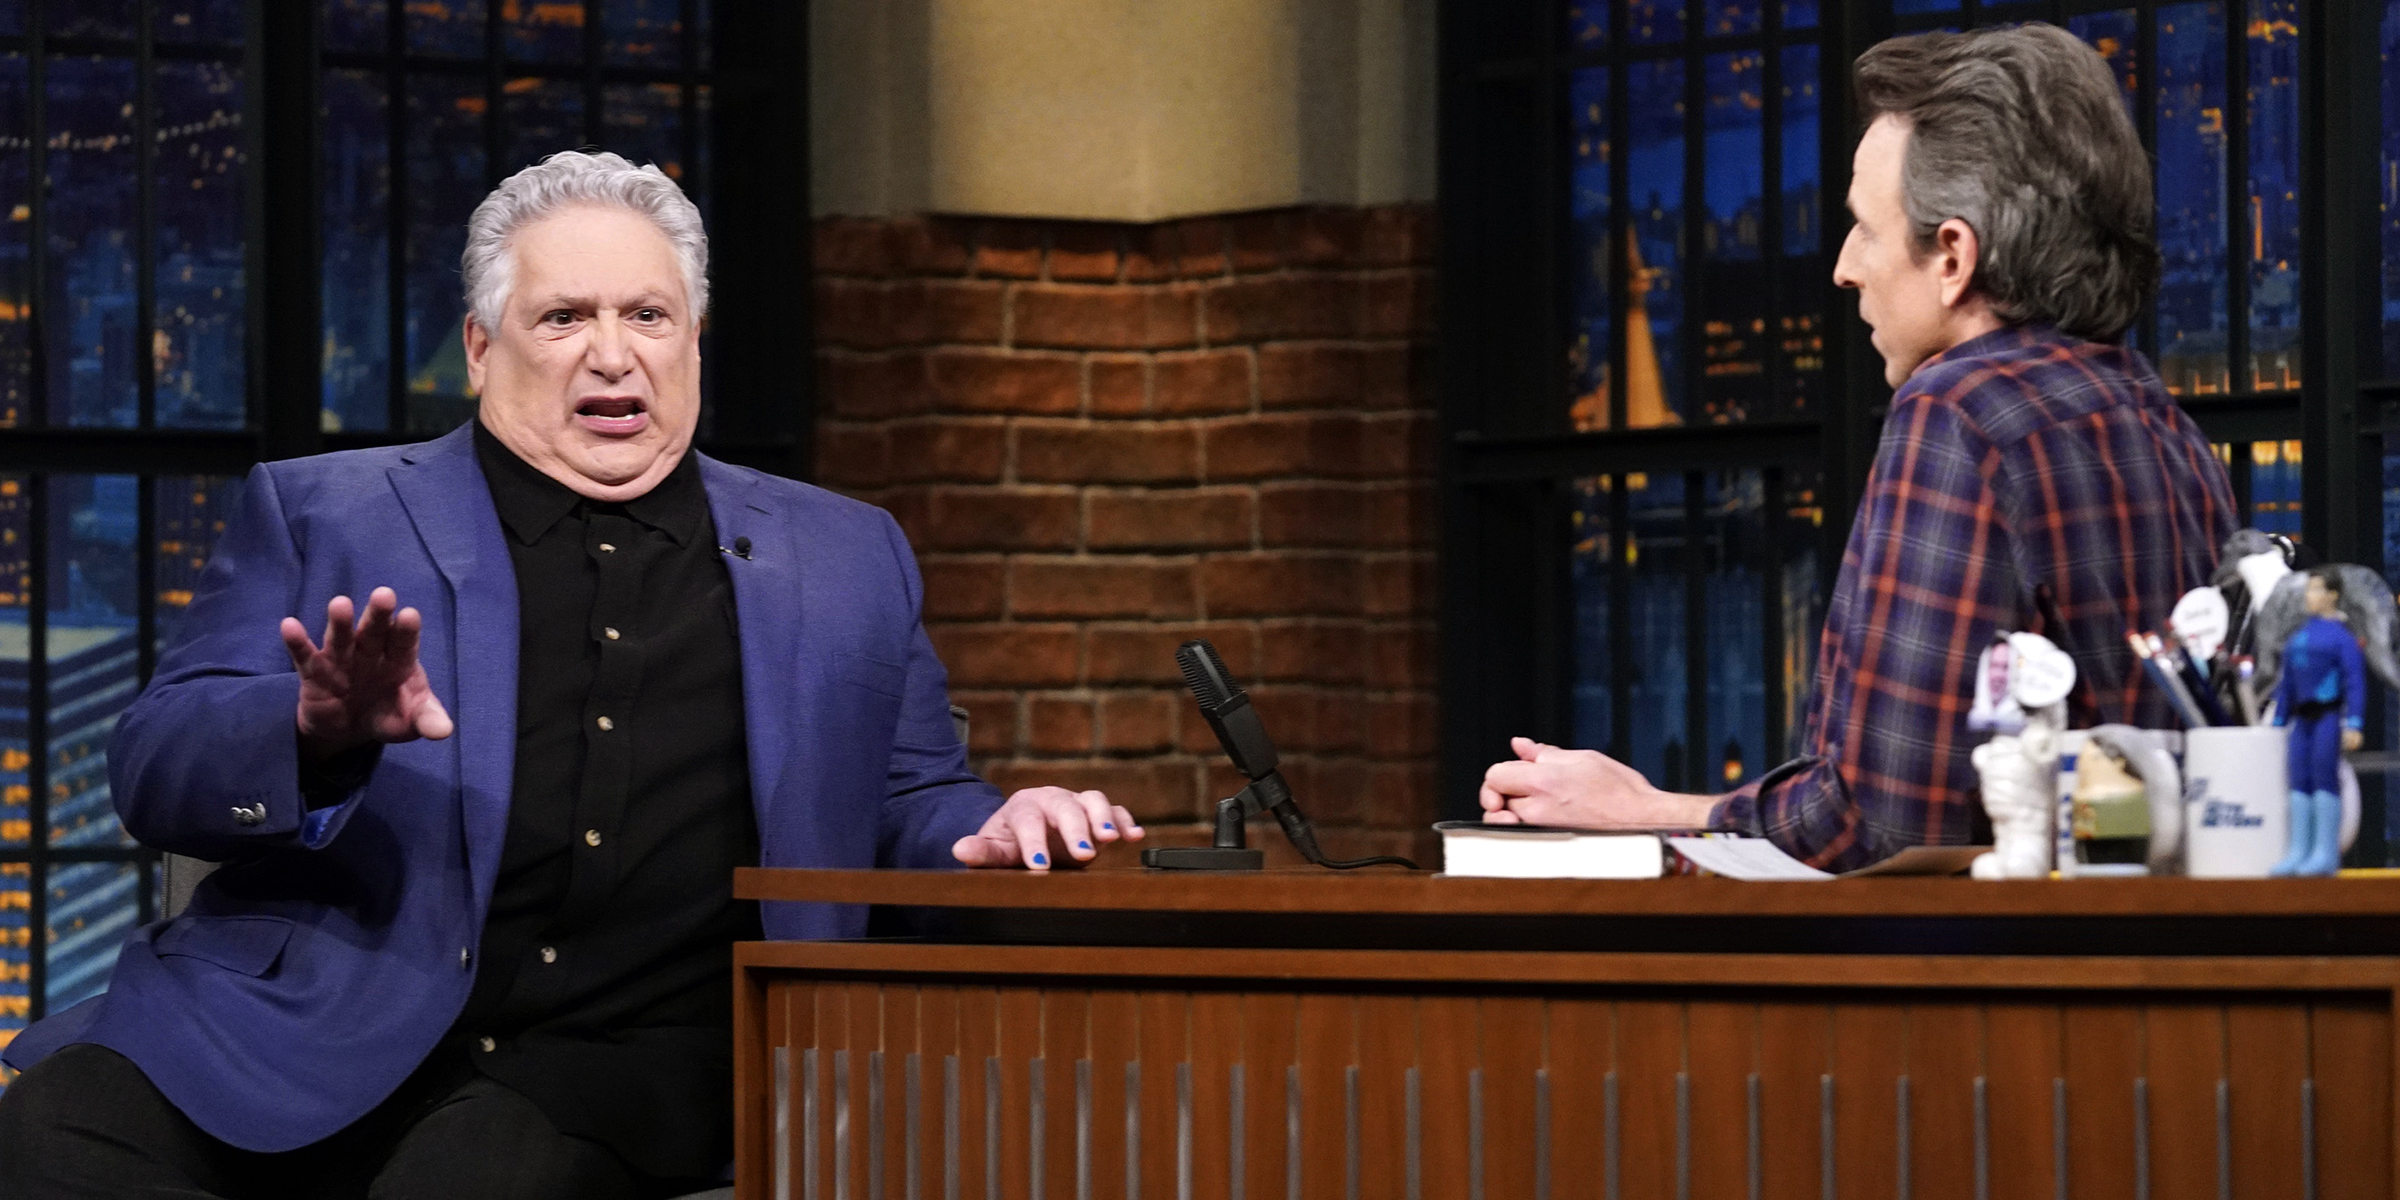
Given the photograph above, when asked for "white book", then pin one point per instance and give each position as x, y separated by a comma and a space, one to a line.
1472, 849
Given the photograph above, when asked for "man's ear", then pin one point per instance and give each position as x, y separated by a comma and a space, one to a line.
1959, 252
478, 344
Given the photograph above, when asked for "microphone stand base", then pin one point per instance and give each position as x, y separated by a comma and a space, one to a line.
1204, 858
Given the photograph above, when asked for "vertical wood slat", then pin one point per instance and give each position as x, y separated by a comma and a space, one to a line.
1065, 1040
1869, 1055
1510, 1056
1446, 1053
1116, 1041
2351, 1050
1216, 1042
1793, 1057
1327, 1044
1165, 1042
900, 1018
1649, 1055
2102, 1048
937, 1044
1387, 1039
1945, 1043
2022, 1061
1269, 1047
1720, 1042
2183, 1060
2266, 1058
1579, 1061
1019, 1044
833, 1037
792, 1023
978, 1041
864, 1038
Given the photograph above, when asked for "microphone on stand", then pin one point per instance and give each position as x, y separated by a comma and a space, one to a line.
1234, 720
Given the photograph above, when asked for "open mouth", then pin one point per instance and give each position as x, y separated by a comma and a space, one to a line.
616, 415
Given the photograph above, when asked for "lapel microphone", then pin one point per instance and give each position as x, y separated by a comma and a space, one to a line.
741, 549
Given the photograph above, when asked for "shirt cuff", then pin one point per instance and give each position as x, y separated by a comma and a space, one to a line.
1738, 810
313, 825
324, 785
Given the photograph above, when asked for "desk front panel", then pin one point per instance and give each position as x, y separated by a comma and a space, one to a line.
1021, 1072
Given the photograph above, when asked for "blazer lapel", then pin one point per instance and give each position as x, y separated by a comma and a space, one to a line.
766, 605
451, 507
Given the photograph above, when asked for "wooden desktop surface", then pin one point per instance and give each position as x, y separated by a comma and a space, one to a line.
1395, 891
1102, 1032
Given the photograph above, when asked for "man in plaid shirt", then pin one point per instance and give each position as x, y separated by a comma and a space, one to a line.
2034, 474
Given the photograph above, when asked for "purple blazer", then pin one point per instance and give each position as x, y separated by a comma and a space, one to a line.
321, 963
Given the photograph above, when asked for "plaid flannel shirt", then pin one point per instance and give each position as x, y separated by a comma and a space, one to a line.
2027, 481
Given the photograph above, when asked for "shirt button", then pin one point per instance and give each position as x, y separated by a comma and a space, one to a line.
609, 633
606, 724
591, 837
464, 957
549, 954
605, 548
488, 1045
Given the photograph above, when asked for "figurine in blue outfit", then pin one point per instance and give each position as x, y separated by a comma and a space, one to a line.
2322, 697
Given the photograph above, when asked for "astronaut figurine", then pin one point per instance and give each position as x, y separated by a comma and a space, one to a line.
2022, 686
2321, 696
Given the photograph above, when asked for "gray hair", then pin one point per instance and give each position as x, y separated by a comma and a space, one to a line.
2020, 131
567, 178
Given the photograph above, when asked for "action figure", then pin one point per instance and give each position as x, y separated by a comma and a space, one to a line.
2021, 690
2320, 632
2321, 696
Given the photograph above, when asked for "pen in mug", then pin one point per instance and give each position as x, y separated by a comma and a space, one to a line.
2243, 668
2177, 657
2177, 697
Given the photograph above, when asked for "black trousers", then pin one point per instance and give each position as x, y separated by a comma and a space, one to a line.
87, 1123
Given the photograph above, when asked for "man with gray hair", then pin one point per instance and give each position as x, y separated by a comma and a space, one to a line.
2034, 474
472, 935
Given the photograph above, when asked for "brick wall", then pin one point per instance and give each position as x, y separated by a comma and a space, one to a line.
1105, 439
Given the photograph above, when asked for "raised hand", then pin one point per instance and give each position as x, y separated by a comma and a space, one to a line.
1019, 832
364, 684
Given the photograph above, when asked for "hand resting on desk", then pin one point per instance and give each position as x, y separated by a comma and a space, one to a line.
1018, 832
1547, 785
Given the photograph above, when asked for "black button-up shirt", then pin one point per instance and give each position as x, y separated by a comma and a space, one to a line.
604, 991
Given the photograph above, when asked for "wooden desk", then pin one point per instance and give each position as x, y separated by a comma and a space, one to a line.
1389, 1035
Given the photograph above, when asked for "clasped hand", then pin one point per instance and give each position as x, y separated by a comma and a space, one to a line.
1548, 785
365, 685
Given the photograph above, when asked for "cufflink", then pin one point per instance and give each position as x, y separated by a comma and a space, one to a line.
253, 815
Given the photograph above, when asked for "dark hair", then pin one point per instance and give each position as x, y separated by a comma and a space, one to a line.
2021, 132
2331, 578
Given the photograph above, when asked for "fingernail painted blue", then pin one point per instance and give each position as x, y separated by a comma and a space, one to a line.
1083, 845
1041, 860
1106, 825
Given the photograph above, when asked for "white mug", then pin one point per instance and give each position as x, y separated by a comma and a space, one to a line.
2236, 803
